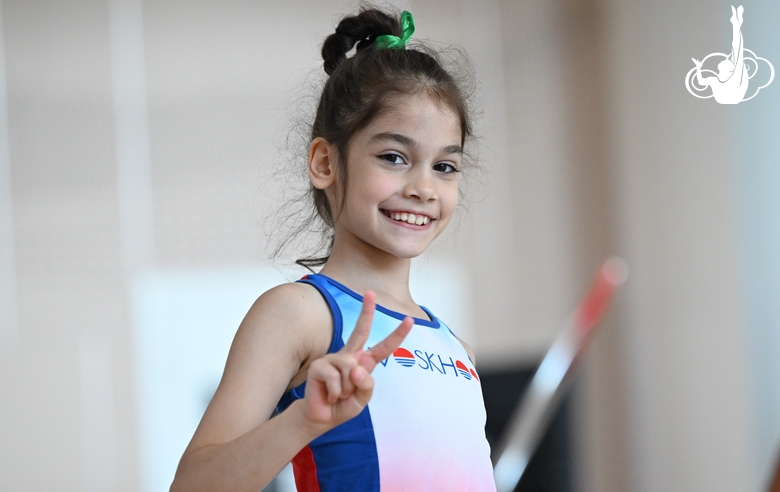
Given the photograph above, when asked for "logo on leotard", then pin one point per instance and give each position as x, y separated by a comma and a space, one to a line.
463, 370
729, 85
403, 357
434, 363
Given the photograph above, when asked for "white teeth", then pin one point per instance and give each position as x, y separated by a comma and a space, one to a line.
410, 218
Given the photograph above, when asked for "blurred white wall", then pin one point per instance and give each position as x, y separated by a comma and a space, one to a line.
756, 128
137, 141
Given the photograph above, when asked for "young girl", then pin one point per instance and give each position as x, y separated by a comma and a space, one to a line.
373, 392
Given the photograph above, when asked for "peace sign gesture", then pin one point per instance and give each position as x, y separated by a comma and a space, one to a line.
339, 385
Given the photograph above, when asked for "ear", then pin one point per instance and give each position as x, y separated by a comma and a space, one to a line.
323, 163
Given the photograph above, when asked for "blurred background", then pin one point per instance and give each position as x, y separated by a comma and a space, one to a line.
137, 147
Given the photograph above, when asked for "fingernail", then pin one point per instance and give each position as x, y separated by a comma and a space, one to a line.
360, 374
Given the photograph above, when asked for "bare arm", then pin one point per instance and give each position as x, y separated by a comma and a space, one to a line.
236, 447
235, 444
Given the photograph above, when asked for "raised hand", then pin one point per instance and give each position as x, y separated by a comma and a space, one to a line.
339, 385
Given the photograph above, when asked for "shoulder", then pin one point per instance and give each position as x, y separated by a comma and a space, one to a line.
288, 324
468, 350
293, 311
286, 327
293, 302
294, 319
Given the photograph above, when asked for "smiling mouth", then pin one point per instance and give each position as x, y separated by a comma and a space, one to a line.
408, 217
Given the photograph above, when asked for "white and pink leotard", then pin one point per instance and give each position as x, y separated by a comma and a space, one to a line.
424, 428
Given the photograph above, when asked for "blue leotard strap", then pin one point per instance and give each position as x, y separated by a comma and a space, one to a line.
335, 344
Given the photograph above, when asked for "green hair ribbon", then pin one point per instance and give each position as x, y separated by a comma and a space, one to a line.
394, 42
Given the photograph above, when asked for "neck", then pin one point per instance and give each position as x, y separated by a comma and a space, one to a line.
361, 266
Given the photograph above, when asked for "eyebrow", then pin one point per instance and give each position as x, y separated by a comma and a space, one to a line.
409, 142
452, 149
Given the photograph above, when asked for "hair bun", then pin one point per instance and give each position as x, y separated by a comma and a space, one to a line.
361, 29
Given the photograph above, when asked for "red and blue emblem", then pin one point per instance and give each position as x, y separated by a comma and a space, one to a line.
463, 370
403, 357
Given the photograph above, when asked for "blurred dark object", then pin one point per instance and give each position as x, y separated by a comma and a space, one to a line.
550, 468
775, 487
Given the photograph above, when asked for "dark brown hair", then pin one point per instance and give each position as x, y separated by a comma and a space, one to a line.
361, 87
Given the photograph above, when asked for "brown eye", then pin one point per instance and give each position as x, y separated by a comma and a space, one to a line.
446, 168
392, 158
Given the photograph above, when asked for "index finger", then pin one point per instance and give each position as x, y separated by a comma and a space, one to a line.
383, 349
363, 324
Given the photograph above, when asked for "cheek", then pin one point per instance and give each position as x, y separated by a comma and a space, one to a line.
449, 198
370, 194
376, 189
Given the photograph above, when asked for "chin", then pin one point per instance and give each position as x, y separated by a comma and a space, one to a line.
413, 255
407, 253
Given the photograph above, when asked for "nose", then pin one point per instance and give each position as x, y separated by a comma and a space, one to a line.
421, 184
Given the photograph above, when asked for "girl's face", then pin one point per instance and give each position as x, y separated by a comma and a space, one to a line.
403, 177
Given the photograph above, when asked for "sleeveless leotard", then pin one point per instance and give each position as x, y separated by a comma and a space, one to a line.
424, 428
